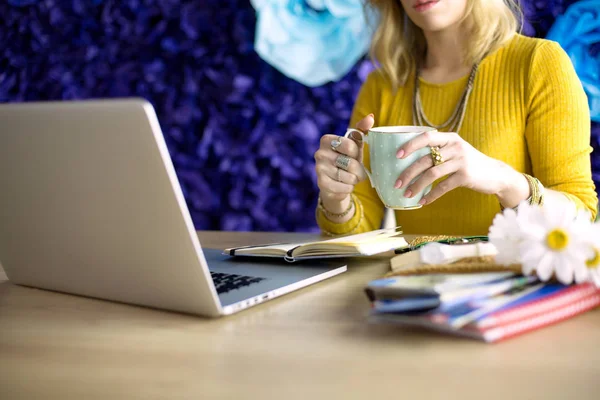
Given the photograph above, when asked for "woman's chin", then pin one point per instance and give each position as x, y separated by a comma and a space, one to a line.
433, 24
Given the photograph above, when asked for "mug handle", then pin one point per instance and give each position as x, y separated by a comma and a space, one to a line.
365, 140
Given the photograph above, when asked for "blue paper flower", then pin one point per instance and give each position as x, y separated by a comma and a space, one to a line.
313, 41
578, 32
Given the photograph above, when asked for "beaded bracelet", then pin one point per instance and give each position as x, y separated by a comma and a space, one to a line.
328, 213
359, 209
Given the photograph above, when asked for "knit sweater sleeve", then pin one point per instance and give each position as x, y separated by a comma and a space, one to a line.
558, 126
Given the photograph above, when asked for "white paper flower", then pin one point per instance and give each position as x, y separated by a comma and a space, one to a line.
550, 242
553, 243
593, 259
505, 235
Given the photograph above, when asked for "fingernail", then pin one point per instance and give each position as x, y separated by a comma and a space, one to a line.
371, 115
400, 153
356, 136
422, 201
335, 143
398, 184
408, 193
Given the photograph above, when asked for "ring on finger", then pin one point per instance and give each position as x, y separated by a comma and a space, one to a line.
436, 156
343, 161
335, 144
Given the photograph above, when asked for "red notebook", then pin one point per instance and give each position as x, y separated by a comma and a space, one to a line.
536, 314
541, 305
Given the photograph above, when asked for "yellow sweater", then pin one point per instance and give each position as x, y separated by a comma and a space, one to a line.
527, 109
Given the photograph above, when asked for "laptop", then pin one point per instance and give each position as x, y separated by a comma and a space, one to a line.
90, 205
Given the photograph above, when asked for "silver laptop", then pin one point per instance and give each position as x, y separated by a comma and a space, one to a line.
90, 204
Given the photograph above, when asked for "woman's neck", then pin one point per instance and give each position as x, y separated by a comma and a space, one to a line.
444, 60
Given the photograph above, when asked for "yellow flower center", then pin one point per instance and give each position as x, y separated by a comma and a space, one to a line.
557, 239
594, 262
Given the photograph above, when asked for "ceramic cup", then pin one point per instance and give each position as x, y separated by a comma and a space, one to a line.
384, 142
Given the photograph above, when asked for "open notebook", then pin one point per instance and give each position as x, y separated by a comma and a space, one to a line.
362, 244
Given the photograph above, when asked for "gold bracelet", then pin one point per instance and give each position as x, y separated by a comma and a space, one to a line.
537, 192
328, 213
360, 210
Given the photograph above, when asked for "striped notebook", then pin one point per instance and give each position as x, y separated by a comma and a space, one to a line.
537, 312
547, 305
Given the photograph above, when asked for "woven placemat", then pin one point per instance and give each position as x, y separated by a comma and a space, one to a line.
425, 239
467, 265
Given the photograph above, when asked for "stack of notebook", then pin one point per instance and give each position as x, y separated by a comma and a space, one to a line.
484, 306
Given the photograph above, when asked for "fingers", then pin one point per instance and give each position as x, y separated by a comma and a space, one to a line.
421, 165
352, 178
442, 188
351, 146
327, 184
430, 176
431, 138
339, 175
341, 145
363, 125
331, 179
326, 159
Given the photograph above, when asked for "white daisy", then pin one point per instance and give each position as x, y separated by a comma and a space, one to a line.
505, 235
593, 259
553, 242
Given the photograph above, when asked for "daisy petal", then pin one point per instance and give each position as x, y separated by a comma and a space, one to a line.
581, 274
544, 268
506, 256
584, 216
568, 215
596, 278
527, 269
532, 251
532, 231
564, 270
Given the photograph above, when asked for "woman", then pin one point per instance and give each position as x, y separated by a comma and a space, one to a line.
513, 121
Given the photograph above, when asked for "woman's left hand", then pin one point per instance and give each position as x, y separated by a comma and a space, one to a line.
464, 165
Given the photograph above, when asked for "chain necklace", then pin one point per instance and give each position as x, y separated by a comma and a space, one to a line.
455, 121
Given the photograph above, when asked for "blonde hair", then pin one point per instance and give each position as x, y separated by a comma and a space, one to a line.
398, 44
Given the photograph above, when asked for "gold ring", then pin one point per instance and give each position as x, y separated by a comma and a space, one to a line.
436, 157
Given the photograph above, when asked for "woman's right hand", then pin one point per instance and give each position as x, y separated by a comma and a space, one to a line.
335, 183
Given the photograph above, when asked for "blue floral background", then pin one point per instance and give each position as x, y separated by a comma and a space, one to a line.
241, 134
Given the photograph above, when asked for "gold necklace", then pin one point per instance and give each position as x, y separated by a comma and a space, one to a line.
455, 121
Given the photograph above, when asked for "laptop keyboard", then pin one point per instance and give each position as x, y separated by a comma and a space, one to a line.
228, 282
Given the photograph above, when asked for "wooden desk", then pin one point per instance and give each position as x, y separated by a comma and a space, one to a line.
314, 343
